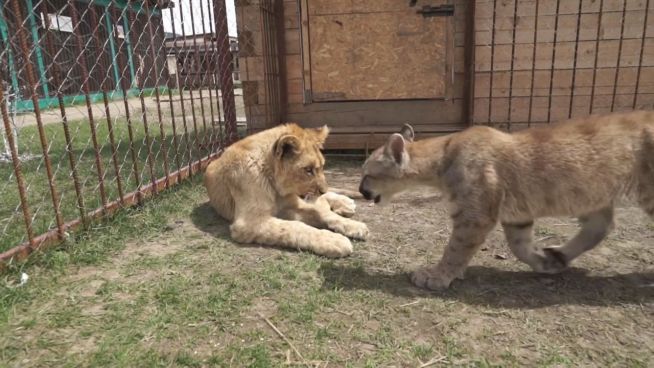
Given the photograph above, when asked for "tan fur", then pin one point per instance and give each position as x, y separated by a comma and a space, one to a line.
258, 184
576, 168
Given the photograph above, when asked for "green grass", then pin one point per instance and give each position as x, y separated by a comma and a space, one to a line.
92, 246
173, 305
162, 285
12, 228
136, 290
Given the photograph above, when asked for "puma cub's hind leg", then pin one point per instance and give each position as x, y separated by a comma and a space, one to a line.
646, 195
594, 228
520, 240
646, 177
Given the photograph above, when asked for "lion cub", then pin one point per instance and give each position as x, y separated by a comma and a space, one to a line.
260, 183
578, 168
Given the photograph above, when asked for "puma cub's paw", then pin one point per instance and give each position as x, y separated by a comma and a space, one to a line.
333, 245
340, 204
551, 261
351, 229
429, 277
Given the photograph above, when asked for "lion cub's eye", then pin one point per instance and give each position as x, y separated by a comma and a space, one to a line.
309, 170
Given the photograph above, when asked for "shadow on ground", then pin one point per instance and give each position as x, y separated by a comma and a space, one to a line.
207, 220
505, 289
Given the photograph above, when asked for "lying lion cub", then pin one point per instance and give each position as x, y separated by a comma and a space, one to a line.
259, 185
577, 168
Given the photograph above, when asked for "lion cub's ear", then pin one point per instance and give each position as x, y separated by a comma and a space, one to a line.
395, 147
407, 132
322, 133
286, 146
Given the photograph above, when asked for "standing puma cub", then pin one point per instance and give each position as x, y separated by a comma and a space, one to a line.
578, 168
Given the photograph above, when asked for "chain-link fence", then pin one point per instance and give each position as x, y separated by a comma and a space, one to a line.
104, 103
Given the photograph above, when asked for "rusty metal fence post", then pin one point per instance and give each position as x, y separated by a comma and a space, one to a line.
225, 70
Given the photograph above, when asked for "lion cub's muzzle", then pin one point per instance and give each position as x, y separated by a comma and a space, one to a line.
314, 193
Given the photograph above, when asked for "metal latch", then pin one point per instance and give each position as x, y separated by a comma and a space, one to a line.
446, 10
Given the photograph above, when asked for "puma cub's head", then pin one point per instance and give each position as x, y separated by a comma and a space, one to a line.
384, 169
299, 163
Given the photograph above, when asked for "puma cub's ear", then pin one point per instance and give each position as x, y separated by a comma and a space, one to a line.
322, 133
407, 132
395, 147
287, 146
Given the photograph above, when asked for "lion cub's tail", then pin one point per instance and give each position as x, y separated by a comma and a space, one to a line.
348, 193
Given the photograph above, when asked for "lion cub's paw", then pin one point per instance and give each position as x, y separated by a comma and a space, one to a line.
333, 245
351, 229
551, 261
340, 204
430, 277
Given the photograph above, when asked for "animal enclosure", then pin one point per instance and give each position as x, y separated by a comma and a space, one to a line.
104, 119
102, 106
366, 67
91, 118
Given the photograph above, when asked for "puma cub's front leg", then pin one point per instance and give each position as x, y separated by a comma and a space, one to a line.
464, 242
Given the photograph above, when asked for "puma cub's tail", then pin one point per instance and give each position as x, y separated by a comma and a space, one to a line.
346, 192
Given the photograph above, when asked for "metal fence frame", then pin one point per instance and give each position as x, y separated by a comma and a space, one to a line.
201, 136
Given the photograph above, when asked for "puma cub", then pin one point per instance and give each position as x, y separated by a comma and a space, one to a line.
579, 168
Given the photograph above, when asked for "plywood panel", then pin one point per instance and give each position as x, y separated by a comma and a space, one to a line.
330, 7
352, 122
377, 50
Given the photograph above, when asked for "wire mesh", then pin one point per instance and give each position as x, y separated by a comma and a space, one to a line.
104, 103
540, 61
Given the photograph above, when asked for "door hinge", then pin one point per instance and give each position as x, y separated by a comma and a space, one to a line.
446, 10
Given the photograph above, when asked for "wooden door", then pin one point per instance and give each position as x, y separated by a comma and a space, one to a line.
362, 50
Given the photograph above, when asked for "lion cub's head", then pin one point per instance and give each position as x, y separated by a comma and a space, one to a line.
299, 163
384, 169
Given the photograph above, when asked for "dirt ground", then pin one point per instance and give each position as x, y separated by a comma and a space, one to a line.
600, 312
117, 108
188, 296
